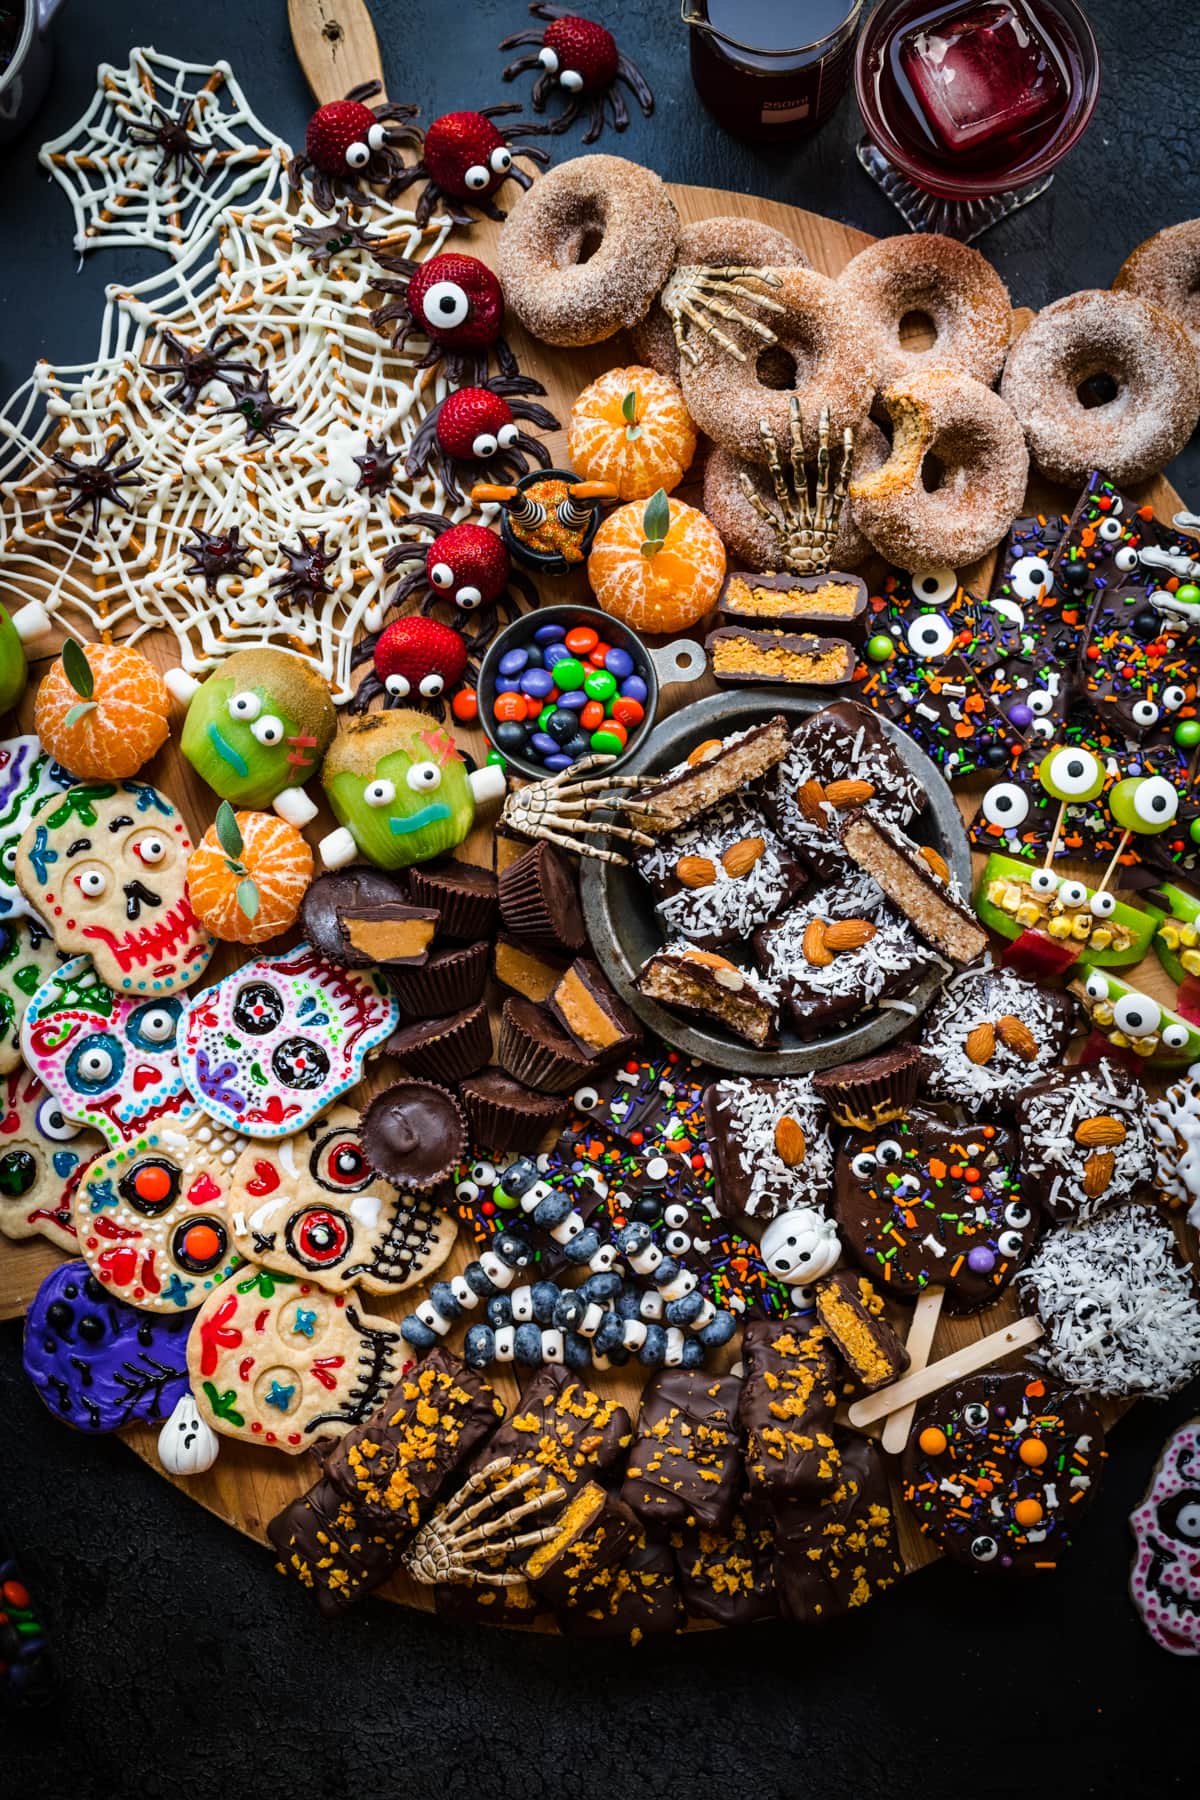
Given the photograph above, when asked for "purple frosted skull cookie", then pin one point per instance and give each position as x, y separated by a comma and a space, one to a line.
1085, 1140
1165, 1580
98, 1364
990, 1034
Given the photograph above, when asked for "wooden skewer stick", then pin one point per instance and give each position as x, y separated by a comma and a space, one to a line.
1111, 870
944, 1372
1058, 825
919, 1343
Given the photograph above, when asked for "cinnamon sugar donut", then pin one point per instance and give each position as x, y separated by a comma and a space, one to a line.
1140, 348
825, 337
984, 466
958, 291
751, 542
726, 241
621, 214
1166, 271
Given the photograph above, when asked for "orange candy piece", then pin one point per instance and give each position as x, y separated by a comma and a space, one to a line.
1028, 1513
1032, 1452
932, 1440
667, 591
631, 428
124, 722
274, 856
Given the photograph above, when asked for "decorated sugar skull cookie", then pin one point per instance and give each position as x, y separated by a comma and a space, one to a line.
28, 776
270, 1047
42, 1156
311, 1205
98, 1364
105, 865
280, 1362
109, 1060
400, 790
257, 728
1165, 1580
27, 956
152, 1218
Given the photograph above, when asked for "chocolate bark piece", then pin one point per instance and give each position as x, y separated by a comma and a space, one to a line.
741, 657
539, 900
839, 953
592, 1014
563, 1427
525, 969
634, 1598
395, 1465
330, 898
770, 1149
465, 895
685, 1466
924, 1202
448, 981
852, 1313
595, 1528
506, 1115
445, 1049
839, 757
948, 715
388, 932
718, 877
918, 882
414, 1133
728, 1576
515, 1605
866, 1094
323, 1544
1085, 1140
989, 1034
840, 1552
712, 772
1138, 668
998, 1469
803, 601
654, 1100
533, 1049
710, 986
787, 1403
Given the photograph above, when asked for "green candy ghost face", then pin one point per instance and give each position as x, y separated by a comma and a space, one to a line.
397, 783
258, 726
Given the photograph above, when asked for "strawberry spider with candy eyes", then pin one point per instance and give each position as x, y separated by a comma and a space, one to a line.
417, 662
580, 57
466, 159
457, 303
349, 143
478, 426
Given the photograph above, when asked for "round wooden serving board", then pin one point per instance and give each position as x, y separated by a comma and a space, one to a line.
247, 1486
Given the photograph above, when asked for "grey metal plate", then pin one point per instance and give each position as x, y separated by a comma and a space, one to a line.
619, 909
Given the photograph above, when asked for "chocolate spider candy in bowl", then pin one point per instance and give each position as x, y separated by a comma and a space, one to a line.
42, 1157
272, 1045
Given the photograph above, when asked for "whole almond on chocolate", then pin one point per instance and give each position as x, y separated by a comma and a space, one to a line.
849, 793
703, 751
790, 1141
848, 934
981, 1042
935, 861
696, 871
741, 857
1016, 1035
810, 798
812, 945
1097, 1132
1098, 1172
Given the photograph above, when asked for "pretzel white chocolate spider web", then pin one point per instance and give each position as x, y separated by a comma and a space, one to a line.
305, 325
131, 179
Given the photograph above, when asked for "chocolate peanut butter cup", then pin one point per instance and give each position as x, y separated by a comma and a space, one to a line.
414, 1134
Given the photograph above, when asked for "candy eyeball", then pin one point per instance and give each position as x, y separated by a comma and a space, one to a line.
53, 1123
1156, 801
477, 178
379, 792
507, 436
888, 1151
1043, 881
930, 636
484, 445
1175, 1036
92, 882
1096, 986
585, 1099
358, 155
244, 707
377, 137
268, 730
1040, 702
468, 598
1029, 577
1010, 1243
1137, 1015
484, 1173
150, 849
442, 576
1072, 893
431, 686
1144, 713
1173, 698
1017, 1214
935, 586
397, 686
424, 778
1102, 906
975, 1416
467, 1192
501, 159
1006, 805
445, 306
1071, 774
863, 1165
1110, 529
1126, 560
984, 1549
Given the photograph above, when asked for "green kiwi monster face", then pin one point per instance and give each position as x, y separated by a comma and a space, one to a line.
14, 670
260, 724
396, 781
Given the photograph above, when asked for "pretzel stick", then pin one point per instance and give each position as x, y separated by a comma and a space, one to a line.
919, 1342
946, 1370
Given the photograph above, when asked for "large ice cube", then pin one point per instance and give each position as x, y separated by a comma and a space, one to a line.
981, 73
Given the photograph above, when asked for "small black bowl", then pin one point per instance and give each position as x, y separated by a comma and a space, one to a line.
547, 562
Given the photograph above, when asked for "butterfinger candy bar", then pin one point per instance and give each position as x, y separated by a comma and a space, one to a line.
711, 773
560, 1426
786, 1408
395, 1465
634, 1598
841, 1552
805, 601
594, 1529
592, 1015
324, 1545
685, 1467
740, 656
852, 1313
918, 882
728, 1576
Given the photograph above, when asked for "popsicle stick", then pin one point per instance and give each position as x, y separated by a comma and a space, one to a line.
946, 1370
918, 1343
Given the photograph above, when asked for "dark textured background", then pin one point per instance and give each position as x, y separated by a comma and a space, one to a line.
186, 1666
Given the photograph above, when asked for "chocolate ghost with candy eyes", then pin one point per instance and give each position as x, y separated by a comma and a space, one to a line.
106, 867
999, 1469
42, 1157
109, 1060
98, 1364
153, 1217
1165, 1580
312, 1206
257, 728
923, 1202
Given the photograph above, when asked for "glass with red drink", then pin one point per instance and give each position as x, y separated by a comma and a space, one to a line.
771, 69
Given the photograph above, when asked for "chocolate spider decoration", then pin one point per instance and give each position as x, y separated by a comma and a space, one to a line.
263, 416
478, 426
199, 364
173, 137
304, 577
215, 554
580, 57
99, 481
323, 242
349, 143
377, 466
466, 159
457, 303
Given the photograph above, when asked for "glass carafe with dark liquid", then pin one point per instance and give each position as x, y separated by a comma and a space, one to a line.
771, 69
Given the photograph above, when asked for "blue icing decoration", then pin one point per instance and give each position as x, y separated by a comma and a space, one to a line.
280, 1396
101, 1194
177, 1291
65, 1163
41, 855
304, 1323
148, 797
